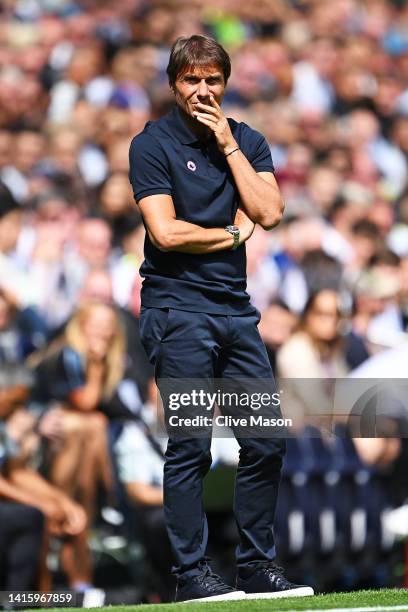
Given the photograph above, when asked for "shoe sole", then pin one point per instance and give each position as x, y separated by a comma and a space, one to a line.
301, 592
225, 597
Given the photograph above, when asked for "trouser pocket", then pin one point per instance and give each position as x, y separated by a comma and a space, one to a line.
153, 325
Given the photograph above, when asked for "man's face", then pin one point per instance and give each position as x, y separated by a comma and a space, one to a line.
94, 242
196, 85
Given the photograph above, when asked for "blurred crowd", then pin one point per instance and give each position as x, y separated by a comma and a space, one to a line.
327, 84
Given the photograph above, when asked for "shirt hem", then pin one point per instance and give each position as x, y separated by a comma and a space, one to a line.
264, 169
153, 191
222, 309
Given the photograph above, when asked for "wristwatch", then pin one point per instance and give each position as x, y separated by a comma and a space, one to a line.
235, 233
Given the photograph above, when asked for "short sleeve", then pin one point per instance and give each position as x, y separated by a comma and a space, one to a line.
148, 167
73, 373
57, 375
256, 149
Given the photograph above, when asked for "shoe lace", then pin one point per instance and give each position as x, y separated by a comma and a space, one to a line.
209, 578
275, 572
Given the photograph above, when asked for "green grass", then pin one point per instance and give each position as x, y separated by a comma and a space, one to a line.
355, 599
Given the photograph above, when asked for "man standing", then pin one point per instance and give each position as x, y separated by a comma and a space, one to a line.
201, 182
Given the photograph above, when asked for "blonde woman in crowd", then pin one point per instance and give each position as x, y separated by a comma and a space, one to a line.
76, 377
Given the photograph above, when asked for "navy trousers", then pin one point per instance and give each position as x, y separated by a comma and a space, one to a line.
183, 345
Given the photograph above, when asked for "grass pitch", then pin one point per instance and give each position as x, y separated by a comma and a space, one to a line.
392, 600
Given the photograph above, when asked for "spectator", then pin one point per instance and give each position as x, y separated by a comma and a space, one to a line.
64, 518
315, 351
321, 271
21, 330
21, 535
99, 287
276, 327
263, 274
13, 275
80, 373
91, 251
342, 216
29, 149
41, 248
125, 273
116, 203
297, 237
19, 484
377, 317
312, 89
366, 240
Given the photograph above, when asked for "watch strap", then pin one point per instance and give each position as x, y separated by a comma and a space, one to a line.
235, 233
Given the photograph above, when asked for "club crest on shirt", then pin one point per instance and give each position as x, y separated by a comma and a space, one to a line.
191, 165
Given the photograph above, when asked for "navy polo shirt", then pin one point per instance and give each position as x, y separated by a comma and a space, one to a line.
167, 158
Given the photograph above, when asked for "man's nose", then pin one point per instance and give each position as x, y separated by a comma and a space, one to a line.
203, 91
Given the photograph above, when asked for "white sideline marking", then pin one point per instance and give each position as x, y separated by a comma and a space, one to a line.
373, 609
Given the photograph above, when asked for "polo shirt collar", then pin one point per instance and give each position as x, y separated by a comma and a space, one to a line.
179, 126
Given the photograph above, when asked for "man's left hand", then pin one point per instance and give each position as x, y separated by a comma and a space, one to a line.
213, 117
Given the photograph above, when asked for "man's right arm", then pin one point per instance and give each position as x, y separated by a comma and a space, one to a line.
170, 234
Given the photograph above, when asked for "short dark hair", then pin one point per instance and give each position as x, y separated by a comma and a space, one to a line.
385, 257
312, 299
366, 229
195, 51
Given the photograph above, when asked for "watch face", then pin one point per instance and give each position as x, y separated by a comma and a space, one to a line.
234, 229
